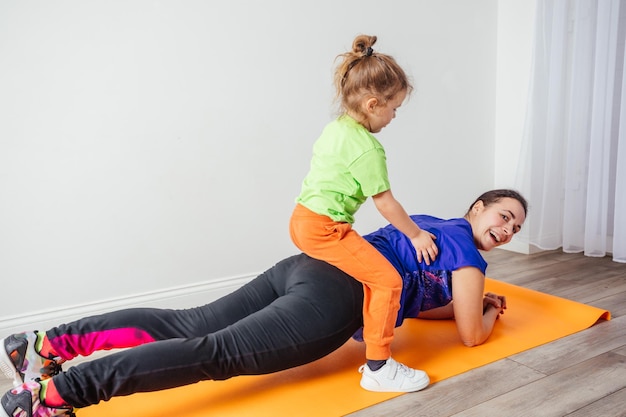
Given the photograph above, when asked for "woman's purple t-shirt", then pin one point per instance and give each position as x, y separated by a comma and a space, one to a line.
428, 286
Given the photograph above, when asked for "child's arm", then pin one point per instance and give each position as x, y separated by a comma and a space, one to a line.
395, 214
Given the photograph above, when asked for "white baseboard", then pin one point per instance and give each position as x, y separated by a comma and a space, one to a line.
178, 297
517, 246
520, 247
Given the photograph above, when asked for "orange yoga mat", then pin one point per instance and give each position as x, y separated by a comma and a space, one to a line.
330, 386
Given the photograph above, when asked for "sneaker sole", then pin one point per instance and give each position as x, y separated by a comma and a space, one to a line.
7, 367
422, 384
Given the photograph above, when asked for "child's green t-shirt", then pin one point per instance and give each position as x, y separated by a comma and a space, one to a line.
348, 165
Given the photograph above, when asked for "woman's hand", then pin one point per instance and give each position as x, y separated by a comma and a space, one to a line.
491, 300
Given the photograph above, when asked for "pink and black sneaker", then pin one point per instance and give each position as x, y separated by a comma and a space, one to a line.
20, 361
24, 401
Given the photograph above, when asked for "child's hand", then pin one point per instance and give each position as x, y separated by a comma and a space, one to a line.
425, 247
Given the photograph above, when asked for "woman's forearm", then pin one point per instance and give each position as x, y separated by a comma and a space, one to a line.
438, 313
489, 320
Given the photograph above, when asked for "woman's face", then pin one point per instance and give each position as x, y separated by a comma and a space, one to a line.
495, 224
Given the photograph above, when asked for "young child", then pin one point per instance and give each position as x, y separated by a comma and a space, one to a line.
348, 166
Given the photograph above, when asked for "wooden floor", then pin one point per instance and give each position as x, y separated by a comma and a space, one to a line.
583, 375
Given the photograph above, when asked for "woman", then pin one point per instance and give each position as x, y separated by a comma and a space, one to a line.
296, 312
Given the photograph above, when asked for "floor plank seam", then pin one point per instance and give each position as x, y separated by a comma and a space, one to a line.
544, 374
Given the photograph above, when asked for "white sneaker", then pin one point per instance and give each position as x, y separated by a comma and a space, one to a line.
393, 377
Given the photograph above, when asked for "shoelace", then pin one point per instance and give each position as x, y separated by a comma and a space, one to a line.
405, 370
51, 368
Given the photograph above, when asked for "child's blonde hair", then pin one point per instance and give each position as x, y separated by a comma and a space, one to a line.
364, 73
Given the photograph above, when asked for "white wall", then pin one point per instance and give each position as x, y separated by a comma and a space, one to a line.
514, 58
149, 145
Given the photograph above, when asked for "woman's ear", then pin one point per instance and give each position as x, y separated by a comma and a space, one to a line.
478, 207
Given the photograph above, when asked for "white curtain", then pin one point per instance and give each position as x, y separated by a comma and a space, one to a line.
573, 162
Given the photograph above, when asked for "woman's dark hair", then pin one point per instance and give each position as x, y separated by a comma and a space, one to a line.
494, 196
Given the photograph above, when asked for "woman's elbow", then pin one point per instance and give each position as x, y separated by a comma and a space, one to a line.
470, 343
473, 341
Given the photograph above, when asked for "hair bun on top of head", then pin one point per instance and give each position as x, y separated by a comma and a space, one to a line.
363, 44
357, 75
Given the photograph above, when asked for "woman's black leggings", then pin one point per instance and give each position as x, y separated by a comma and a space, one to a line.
296, 312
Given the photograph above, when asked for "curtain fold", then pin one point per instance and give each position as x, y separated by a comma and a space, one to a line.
573, 161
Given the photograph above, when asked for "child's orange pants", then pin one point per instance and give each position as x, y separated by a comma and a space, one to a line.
338, 244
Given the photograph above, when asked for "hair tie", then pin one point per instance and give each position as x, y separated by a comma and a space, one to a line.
369, 51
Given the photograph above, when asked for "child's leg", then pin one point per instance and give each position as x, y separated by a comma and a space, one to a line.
338, 244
